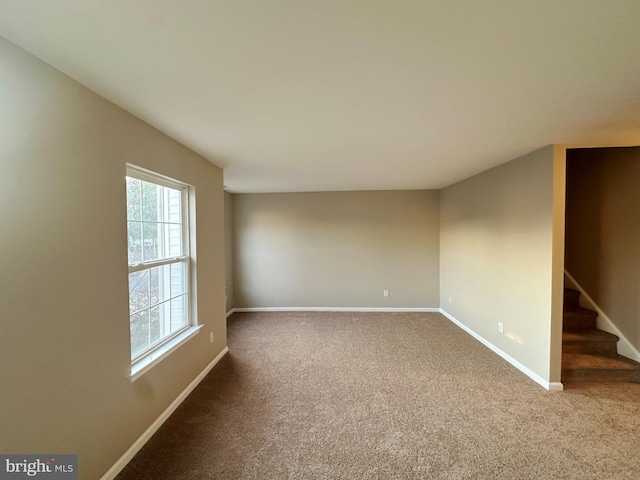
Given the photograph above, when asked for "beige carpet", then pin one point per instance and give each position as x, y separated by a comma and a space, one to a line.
385, 396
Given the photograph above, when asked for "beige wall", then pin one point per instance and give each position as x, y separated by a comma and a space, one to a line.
64, 324
496, 256
603, 231
336, 249
228, 249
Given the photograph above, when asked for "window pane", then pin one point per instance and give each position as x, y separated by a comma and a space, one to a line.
134, 207
166, 318
138, 291
134, 235
150, 202
178, 313
139, 332
174, 206
155, 329
173, 235
178, 283
155, 275
152, 247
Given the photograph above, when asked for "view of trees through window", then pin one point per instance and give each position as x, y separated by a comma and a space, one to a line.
157, 264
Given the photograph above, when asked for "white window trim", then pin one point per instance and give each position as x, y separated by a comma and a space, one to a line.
145, 362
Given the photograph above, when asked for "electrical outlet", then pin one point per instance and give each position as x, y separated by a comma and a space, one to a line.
386, 293
500, 327
211, 337
449, 299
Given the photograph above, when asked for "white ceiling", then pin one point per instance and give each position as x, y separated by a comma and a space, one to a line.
303, 95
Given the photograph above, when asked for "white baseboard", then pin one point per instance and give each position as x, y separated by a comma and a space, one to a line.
552, 386
625, 347
230, 312
144, 438
336, 309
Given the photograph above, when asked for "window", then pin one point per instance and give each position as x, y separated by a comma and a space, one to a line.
160, 314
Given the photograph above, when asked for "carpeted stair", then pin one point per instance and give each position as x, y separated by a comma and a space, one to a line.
590, 354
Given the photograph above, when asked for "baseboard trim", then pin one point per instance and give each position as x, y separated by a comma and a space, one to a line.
153, 428
231, 312
551, 386
336, 309
625, 347
555, 387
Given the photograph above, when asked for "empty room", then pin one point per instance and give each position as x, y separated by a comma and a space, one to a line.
330, 239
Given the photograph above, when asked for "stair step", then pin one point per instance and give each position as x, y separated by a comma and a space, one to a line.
579, 319
585, 367
589, 341
571, 298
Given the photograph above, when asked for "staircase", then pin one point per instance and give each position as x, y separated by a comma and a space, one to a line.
589, 354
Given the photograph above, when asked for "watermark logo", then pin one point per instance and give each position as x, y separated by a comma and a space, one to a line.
49, 467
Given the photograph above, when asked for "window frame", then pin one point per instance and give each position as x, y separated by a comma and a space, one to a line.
151, 356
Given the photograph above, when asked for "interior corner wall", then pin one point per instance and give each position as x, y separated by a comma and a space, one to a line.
496, 256
337, 249
228, 251
603, 231
64, 315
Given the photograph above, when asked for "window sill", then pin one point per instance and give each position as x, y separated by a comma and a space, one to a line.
147, 363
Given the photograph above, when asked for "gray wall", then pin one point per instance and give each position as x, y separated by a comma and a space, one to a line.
603, 231
228, 249
64, 320
336, 249
496, 242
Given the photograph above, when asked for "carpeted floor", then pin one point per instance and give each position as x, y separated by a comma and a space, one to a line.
385, 396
